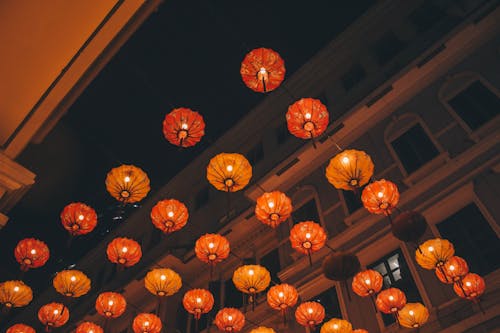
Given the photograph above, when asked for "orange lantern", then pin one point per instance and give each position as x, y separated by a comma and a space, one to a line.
360, 330
251, 279
89, 327
124, 251
162, 282
198, 302
307, 237
310, 314
14, 294
78, 218
229, 172
453, 270
262, 329
380, 197
212, 248
413, 315
262, 70
367, 282
20, 328
183, 127
434, 253
146, 323
71, 283
31, 253
390, 301
336, 325
169, 215
273, 208
282, 297
230, 320
53, 315
110, 304
471, 287
127, 183
350, 169
307, 118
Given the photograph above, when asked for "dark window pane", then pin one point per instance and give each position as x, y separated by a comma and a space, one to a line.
387, 47
306, 212
256, 154
282, 133
330, 302
426, 16
353, 76
414, 148
233, 297
181, 320
201, 198
473, 239
476, 105
272, 262
352, 201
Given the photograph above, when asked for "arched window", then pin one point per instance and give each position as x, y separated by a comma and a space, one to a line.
306, 206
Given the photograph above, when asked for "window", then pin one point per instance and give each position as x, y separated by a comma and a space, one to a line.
306, 212
233, 298
414, 148
426, 16
330, 302
352, 201
282, 133
353, 76
387, 48
475, 105
396, 274
181, 320
256, 154
201, 198
473, 239
272, 262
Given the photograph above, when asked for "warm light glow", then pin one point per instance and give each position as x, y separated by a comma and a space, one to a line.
163, 277
452, 268
367, 281
170, 214
91, 331
430, 248
146, 323
391, 298
73, 278
345, 160
335, 326
308, 235
184, 126
411, 312
81, 217
262, 70
280, 294
468, 284
33, 251
198, 300
124, 249
270, 204
110, 303
211, 245
229, 317
310, 310
380, 194
16, 289
126, 179
56, 311
229, 168
307, 115
250, 272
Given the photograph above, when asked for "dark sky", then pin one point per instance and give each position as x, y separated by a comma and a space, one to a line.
188, 53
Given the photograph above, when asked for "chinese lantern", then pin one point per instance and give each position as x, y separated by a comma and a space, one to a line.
453, 270
340, 266
262, 329
390, 301
273, 208
146, 323
367, 282
78, 218
350, 169
307, 237
162, 282
53, 315
336, 325
310, 314
434, 253
251, 279
262, 70
380, 197
89, 327
471, 287
127, 183
124, 251
20, 328
110, 304
71, 283
31, 253
14, 294
409, 226
212, 248
307, 118
282, 296
413, 315
183, 127
230, 320
169, 215
229, 172
198, 302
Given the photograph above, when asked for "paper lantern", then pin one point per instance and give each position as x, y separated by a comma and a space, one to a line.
307, 118
310, 314
340, 266
390, 300
198, 302
78, 218
282, 296
350, 169
251, 279
413, 315
212, 248
183, 127
71, 283
110, 304
31, 253
229, 320
307, 237
336, 325
434, 253
229, 172
380, 197
169, 215
367, 282
453, 270
20, 328
409, 226
15, 293
273, 208
124, 251
162, 282
127, 183
53, 315
471, 287
262, 70
146, 323
89, 327
262, 329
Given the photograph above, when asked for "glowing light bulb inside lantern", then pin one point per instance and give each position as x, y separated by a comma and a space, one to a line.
81, 217
310, 310
280, 294
307, 116
184, 126
91, 331
198, 300
452, 268
250, 272
430, 248
163, 277
335, 326
380, 194
229, 168
16, 289
411, 312
229, 318
56, 311
126, 179
270, 204
73, 278
391, 298
124, 249
110, 303
33, 251
211, 245
468, 284
262, 70
308, 235
146, 323
345, 160
170, 214
367, 281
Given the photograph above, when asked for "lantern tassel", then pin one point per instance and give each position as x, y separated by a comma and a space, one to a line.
196, 328
309, 256
264, 85
397, 319
441, 269
347, 289
211, 271
372, 298
283, 312
313, 140
478, 302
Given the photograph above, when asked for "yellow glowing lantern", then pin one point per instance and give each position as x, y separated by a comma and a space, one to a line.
350, 169
162, 282
14, 294
229, 172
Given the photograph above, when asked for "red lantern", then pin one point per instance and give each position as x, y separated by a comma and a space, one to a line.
20, 328
310, 314
198, 302
471, 287
262, 70
183, 127
307, 118
110, 305
146, 323
453, 270
124, 251
366, 283
230, 320
273, 208
282, 296
212, 248
53, 315
380, 197
89, 327
390, 301
31, 253
307, 237
169, 215
78, 218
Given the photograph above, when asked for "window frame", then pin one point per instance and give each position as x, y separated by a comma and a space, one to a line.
313, 195
345, 207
